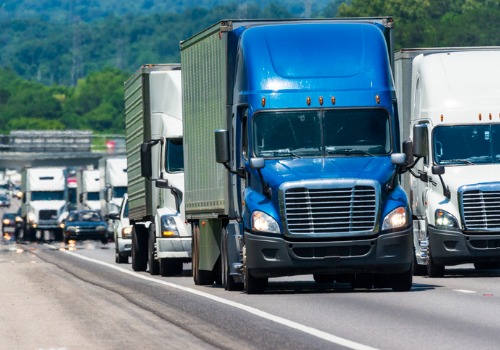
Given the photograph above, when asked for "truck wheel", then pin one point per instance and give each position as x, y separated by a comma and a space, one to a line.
402, 282
58, 235
227, 280
324, 278
139, 251
433, 269
252, 285
200, 277
154, 265
170, 267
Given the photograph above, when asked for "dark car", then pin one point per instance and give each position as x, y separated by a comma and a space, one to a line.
4, 200
85, 225
11, 225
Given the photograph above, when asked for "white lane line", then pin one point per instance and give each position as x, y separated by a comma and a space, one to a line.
291, 324
465, 291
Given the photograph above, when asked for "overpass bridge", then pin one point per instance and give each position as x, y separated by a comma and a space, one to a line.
72, 148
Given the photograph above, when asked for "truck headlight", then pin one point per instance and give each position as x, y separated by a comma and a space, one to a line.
397, 218
263, 222
31, 218
445, 219
169, 226
127, 232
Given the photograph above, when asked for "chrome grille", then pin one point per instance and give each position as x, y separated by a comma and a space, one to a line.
330, 211
481, 210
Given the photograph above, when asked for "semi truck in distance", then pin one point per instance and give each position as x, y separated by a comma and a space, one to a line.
450, 108
45, 200
161, 239
88, 189
292, 154
113, 185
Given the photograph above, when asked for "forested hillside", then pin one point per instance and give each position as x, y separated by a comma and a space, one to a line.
64, 61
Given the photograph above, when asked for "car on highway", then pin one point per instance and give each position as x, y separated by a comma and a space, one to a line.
4, 200
85, 225
122, 232
11, 226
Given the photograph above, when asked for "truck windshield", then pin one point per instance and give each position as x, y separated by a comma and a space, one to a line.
93, 196
466, 144
118, 192
339, 132
175, 157
47, 195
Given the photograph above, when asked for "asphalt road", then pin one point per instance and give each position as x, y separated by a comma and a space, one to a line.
62, 297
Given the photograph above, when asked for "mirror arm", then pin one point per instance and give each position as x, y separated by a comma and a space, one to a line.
239, 172
446, 189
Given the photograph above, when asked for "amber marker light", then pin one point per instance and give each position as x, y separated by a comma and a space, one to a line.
321, 100
377, 99
308, 101
442, 117
333, 100
168, 233
263, 101
491, 117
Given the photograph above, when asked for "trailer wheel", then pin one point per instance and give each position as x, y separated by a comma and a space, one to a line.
228, 281
154, 265
170, 267
252, 285
200, 277
139, 251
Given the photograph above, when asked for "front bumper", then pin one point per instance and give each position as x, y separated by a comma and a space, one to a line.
173, 247
275, 257
124, 245
455, 247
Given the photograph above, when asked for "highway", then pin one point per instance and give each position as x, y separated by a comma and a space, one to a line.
76, 297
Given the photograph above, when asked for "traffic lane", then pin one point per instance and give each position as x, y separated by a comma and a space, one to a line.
437, 312
219, 325
44, 307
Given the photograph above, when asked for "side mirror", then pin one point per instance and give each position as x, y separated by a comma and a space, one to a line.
438, 169
114, 216
257, 163
420, 140
408, 151
222, 146
80, 198
146, 169
398, 158
109, 193
162, 183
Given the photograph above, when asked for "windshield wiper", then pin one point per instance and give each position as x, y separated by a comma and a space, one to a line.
463, 161
280, 153
348, 151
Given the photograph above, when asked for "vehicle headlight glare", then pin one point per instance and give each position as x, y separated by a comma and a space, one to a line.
445, 219
127, 232
263, 222
169, 226
397, 218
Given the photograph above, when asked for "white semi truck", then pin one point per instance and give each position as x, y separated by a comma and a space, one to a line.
113, 186
450, 108
88, 189
153, 117
45, 202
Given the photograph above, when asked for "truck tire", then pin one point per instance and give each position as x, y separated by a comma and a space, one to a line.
228, 281
154, 265
170, 267
139, 251
434, 270
252, 284
200, 277
402, 282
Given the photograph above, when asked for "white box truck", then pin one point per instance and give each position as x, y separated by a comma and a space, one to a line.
450, 108
153, 117
113, 185
88, 189
45, 199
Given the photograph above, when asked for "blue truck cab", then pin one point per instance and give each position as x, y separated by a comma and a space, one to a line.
308, 133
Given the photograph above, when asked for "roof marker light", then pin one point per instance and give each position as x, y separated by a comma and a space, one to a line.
377, 99
480, 117
263, 101
442, 117
308, 101
321, 100
333, 102
491, 117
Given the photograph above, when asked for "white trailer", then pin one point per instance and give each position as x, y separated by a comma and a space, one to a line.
88, 189
153, 116
44, 201
448, 100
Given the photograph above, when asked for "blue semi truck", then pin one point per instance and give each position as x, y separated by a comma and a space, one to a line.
292, 154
